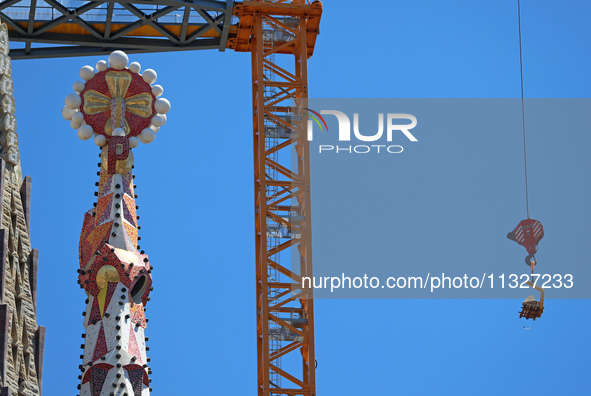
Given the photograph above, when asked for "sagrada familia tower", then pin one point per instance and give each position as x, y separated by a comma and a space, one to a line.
120, 108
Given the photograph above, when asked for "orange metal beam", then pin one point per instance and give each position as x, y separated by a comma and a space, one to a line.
240, 40
142, 31
280, 296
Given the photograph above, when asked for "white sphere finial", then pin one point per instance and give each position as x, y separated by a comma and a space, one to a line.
85, 132
147, 136
157, 121
118, 60
67, 113
100, 140
102, 65
135, 67
77, 120
133, 142
162, 106
78, 86
86, 73
73, 101
149, 76
157, 90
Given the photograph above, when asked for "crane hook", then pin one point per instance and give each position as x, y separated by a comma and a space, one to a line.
528, 234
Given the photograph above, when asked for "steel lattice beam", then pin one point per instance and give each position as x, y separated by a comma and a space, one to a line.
285, 307
101, 26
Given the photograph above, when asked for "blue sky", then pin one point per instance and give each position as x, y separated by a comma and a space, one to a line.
195, 198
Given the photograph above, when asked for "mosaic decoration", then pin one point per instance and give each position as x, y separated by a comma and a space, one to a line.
137, 315
134, 348
94, 378
138, 378
100, 348
95, 312
108, 102
119, 107
21, 339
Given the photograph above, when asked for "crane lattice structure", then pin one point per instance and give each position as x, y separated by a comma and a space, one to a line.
281, 36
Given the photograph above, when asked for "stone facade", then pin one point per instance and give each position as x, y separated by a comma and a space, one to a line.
21, 339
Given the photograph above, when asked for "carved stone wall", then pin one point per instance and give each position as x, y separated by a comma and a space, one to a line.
21, 339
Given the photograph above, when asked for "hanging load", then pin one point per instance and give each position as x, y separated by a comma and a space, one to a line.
528, 234
530, 308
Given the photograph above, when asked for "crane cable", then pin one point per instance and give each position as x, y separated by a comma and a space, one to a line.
523, 108
523, 128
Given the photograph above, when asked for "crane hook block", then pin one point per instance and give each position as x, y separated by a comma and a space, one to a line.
528, 233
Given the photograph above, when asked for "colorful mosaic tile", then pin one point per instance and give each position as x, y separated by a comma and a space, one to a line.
99, 236
118, 150
106, 212
135, 367
98, 376
133, 348
95, 313
101, 345
120, 260
128, 184
103, 208
132, 232
137, 104
137, 314
129, 211
136, 376
87, 228
105, 184
111, 287
87, 376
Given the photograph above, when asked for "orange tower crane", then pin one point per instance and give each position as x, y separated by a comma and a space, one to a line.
281, 36
285, 310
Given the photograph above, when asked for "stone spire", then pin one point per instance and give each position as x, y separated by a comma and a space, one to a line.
117, 106
21, 340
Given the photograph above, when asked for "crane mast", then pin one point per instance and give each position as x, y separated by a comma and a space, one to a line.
280, 37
